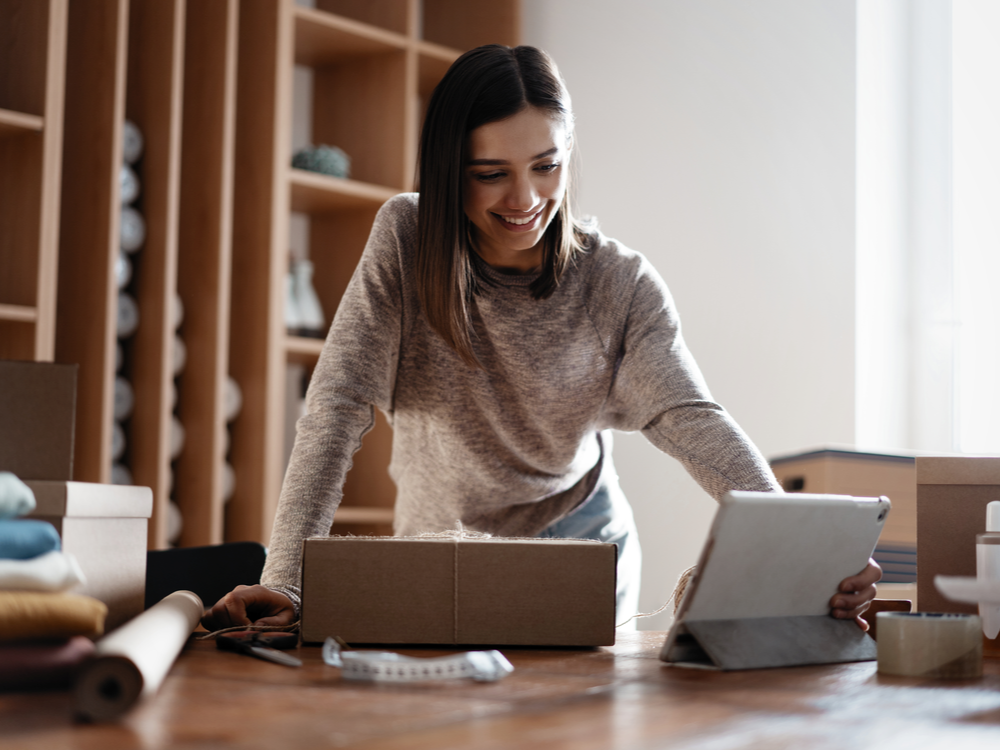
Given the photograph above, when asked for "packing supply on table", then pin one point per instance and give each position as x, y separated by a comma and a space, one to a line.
388, 666
130, 664
459, 589
930, 644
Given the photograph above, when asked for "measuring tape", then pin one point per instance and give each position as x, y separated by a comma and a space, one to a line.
386, 666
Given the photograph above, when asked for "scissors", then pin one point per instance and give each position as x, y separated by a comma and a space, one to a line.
262, 645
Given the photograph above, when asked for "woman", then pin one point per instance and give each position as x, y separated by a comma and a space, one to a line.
505, 340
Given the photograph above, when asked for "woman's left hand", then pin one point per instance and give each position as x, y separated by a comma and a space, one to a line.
855, 594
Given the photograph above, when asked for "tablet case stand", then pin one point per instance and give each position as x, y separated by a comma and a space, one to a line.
762, 642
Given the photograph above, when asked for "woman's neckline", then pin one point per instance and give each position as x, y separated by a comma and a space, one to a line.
511, 277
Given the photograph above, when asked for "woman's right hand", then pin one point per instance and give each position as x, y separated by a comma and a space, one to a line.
249, 605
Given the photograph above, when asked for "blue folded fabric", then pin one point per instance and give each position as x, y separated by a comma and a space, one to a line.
25, 538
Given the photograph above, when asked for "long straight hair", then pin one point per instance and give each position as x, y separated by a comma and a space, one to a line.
484, 85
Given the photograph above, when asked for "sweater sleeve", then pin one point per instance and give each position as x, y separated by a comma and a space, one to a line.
355, 374
659, 390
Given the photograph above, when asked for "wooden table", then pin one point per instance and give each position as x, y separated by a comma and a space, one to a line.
619, 697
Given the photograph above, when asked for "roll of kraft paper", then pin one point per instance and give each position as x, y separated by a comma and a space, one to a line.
930, 644
130, 664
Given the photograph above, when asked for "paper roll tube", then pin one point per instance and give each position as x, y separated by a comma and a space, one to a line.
930, 644
131, 662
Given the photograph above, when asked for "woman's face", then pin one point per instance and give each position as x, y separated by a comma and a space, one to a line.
515, 180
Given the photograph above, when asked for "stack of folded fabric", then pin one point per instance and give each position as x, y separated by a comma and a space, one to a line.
44, 630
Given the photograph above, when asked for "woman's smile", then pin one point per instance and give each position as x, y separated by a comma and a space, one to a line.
515, 181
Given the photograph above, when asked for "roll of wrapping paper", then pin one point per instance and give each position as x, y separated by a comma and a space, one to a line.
930, 644
129, 665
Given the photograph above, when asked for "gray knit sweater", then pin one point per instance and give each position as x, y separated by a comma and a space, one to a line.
511, 448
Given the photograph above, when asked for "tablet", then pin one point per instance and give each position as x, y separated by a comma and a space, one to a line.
770, 565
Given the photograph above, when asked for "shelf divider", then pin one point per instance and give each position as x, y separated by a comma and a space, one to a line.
89, 226
153, 103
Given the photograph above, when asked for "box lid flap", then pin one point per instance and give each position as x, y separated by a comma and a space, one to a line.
38, 403
91, 500
958, 470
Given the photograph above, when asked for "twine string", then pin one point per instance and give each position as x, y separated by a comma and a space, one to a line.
258, 628
676, 596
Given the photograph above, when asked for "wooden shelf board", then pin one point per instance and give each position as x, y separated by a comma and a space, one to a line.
438, 52
303, 351
322, 38
12, 123
363, 515
314, 193
18, 313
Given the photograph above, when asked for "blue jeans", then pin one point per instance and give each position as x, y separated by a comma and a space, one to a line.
607, 517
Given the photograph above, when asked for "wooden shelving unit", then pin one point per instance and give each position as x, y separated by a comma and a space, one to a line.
209, 83
32, 82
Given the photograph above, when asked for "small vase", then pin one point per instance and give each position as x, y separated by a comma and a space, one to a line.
312, 323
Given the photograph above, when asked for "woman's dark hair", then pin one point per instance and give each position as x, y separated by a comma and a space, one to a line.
484, 85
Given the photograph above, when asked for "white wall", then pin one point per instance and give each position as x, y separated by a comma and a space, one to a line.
718, 138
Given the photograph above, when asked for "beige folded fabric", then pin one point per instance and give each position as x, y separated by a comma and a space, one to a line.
31, 614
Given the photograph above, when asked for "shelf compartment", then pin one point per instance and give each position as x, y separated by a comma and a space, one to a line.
391, 15
16, 123
336, 242
24, 55
433, 62
20, 207
204, 263
461, 24
368, 483
322, 38
313, 193
360, 105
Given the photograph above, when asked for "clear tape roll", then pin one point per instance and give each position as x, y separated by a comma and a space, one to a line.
131, 662
930, 644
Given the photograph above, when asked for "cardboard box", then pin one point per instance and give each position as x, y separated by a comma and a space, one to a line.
38, 408
952, 494
467, 591
841, 471
104, 527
